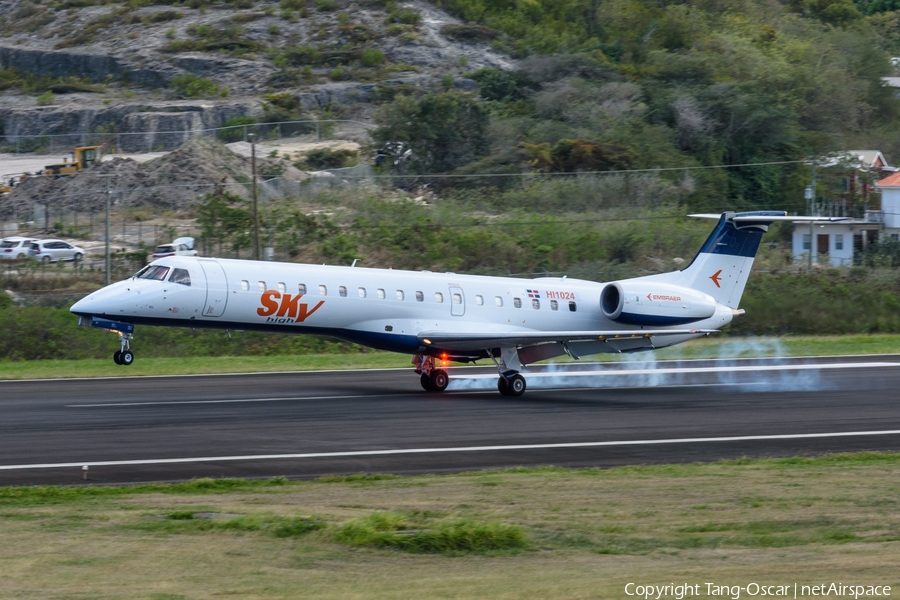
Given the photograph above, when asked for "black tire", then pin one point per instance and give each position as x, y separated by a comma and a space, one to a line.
426, 383
127, 358
45, 259
78, 256
440, 379
516, 386
117, 357
503, 386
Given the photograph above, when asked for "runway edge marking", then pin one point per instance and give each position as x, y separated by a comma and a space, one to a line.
351, 453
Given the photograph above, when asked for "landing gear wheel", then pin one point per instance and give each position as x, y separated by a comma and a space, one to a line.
117, 357
516, 386
127, 357
503, 386
439, 380
426, 383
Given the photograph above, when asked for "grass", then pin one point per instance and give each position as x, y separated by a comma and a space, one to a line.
47, 369
534, 532
710, 347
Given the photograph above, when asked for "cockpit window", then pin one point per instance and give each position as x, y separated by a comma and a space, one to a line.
181, 276
157, 272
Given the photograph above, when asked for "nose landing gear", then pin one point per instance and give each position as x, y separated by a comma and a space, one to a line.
124, 356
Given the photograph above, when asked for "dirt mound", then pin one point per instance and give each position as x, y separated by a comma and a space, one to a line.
174, 181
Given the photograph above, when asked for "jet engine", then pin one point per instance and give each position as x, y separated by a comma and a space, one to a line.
651, 304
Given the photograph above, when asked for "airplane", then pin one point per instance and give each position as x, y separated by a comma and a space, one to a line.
444, 317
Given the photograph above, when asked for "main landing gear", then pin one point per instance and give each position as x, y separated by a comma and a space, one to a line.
510, 383
124, 356
432, 378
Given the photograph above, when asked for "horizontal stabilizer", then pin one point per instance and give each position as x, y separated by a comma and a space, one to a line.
756, 218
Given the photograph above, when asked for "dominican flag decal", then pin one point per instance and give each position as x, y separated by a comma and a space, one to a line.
533, 294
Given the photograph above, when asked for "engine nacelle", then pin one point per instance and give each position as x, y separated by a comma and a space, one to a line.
654, 304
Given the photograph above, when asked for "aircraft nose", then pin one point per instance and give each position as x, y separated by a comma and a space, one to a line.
103, 301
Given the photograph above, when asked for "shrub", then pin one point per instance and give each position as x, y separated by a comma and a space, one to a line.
46, 98
372, 57
236, 131
192, 86
392, 530
326, 158
470, 32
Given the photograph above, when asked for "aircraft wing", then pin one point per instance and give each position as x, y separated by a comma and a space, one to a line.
452, 340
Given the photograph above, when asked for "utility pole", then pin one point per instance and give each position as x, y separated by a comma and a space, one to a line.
811, 197
255, 199
108, 223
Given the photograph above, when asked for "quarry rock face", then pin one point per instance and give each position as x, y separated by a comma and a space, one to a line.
150, 120
84, 64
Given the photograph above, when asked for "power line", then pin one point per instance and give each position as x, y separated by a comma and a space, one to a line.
531, 175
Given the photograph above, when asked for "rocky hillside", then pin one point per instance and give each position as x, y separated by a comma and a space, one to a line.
79, 65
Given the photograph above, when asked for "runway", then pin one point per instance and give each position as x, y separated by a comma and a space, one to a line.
309, 424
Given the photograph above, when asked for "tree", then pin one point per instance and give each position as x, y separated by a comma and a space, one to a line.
223, 220
444, 131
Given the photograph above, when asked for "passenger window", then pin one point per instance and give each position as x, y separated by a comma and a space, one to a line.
323, 290
380, 293
438, 297
400, 295
181, 276
517, 302
245, 285
535, 304
479, 300
281, 287
554, 305
342, 291
420, 297
457, 298
572, 307
498, 300
301, 287
362, 292
261, 285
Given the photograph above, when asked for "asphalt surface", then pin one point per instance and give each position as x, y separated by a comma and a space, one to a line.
308, 424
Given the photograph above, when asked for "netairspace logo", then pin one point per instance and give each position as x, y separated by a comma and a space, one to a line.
753, 590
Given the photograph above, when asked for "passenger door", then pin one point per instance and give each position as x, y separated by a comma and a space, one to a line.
457, 301
216, 288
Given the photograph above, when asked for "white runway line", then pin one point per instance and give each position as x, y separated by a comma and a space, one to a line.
686, 370
535, 375
357, 453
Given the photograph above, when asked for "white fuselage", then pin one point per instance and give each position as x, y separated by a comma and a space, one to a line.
380, 308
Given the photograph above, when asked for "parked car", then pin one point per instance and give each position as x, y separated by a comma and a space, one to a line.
15, 247
54, 250
183, 246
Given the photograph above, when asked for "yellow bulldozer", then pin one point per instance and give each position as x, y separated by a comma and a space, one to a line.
82, 158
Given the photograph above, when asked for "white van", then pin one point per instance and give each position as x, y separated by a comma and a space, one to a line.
183, 246
15, 247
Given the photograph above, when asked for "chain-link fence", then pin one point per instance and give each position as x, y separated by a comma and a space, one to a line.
162, 141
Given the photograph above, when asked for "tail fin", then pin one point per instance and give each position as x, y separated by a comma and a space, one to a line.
722, 266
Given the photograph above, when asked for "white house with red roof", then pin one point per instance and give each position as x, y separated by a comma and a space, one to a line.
837, 243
